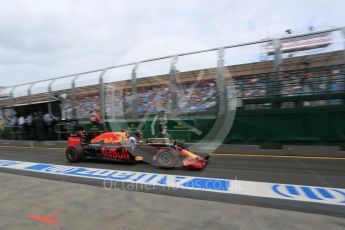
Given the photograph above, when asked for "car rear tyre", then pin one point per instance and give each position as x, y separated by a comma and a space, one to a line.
167, 158
74, 154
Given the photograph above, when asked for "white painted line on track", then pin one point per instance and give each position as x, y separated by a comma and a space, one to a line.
322, 195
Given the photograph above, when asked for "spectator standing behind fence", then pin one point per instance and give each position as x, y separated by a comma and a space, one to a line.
29, 128
21, 123
14, 123
38, 126
2, 126
47, 119
14, 120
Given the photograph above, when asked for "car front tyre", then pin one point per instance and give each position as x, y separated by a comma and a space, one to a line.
167, 159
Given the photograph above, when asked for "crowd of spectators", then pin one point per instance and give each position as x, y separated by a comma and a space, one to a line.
305, 82
83, 106
251, 86
151, 99
191, 97
291, 83
311, 82
197, 97
201, 96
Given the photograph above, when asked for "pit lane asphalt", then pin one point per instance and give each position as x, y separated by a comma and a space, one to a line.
314, 172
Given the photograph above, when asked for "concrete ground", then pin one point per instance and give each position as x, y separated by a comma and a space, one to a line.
90, 207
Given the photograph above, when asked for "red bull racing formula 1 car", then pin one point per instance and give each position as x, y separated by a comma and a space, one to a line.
120, 147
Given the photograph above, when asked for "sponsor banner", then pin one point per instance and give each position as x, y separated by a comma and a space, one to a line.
325, 195
300, 45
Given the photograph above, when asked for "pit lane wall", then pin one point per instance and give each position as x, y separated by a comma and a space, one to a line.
312, 126
307, 131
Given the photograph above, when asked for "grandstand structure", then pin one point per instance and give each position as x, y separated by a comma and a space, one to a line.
292, 81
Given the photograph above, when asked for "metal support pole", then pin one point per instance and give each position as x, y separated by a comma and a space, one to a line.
29, 92
220, 81
173, 85
101, 94
50, 89
277, 55
275, 81
113, 103
12, 96
343, 68
74, 98
343, 32
12, 110
50, 96
134, 90
112, 96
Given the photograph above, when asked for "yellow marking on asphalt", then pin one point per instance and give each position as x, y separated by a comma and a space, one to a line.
277, 156
212, 154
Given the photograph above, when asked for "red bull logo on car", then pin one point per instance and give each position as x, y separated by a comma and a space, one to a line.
115, 153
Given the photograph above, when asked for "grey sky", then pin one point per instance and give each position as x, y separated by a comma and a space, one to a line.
44, 39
